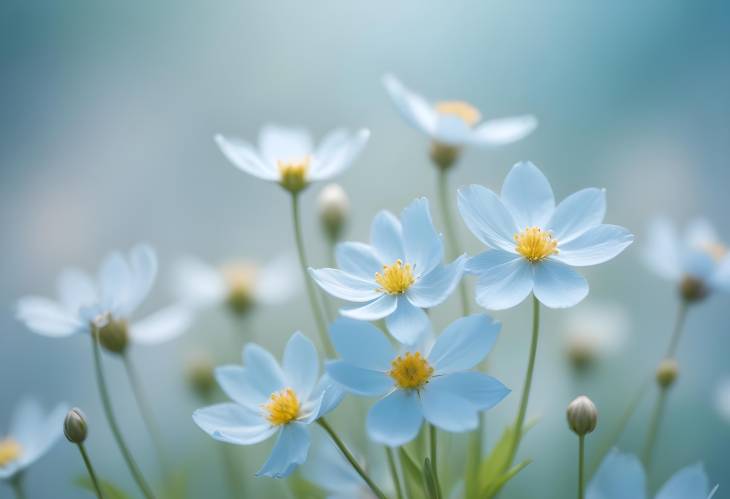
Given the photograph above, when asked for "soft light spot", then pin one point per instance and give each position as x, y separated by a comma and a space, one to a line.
240, 278
293, 174
462, 110
283, 407
395, 279
10, 450
410, 371
716, 250
535, 244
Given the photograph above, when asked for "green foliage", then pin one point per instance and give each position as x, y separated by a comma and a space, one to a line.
109, 490
413, 478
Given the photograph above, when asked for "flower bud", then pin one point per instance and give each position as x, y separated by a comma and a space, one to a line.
692, 289
582, 352
113, 334
200, 374
582, 416
334, 208
667, 373
444, 155
240, 277
74, 426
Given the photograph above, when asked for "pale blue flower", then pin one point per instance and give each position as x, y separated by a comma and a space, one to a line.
698, 254
621, 476
31, 434
289, 157
271, 399
455, 123
437, 385
398, 275
533, 244
121, 285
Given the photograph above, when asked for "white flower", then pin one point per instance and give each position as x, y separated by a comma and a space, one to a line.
595, 329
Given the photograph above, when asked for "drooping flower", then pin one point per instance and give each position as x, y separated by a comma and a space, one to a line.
436, 385
533, 244
106, 304
31, 434
287, 155
698, 262
398, 275
621, 476
240, 285
271, 399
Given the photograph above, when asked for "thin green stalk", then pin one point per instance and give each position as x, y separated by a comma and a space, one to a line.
393, 471
106, 403
434, 454
90, 469
311, 291
520, 420
581, 461
353, 462
656, 420
678, 328
17, 484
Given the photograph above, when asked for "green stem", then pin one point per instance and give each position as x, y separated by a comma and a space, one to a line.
678, 328
17, 484
232, 472
311, 291
581, 460
520, 420
393, 471
348, 455
434, 455
656, 420
90, 469
106, 403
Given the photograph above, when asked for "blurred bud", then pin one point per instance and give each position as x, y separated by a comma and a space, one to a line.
444, 155
200, 374
582, 352
74, 426
582, 416
240, 277
667, 373
112, 334
334, 208
692, 289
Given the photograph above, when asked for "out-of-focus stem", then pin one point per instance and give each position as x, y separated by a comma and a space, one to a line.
90, 469
393, 471
656, 420
434, 457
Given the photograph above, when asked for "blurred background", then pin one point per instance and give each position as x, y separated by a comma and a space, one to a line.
108, 115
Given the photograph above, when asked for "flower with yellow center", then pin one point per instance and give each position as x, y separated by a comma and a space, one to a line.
410, 371
462, 110
395, 279
293, 174
10, 450
535, 244
283, 407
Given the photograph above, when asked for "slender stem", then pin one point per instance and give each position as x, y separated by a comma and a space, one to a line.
146, 411
229, 461
393, 471
106, 403
311, 291
678, 328
17, 484
656, 420
90, 469
581, 461
348, 455
434, 455
326, 299
520, 420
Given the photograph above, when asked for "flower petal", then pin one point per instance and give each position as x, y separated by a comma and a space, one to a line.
264, 372
76, 290
278, 281
46, 317
481, 390
41, 435
721, 278
361, 344
338, 158
557, 285
594, 246
345, 286
162, 326
688, 483
278, 143
527, 194
240, 386
503, 131
504, 279
464, 343
197, 284
358, 259
386, 236
423, 247
115, 282
243, 156
373, 311
412, 107
408, 323
396, 419
452, 130
301, 365
433, 288
143, 271
233, 424
620, 476
289, 451
330, 394
697, 263
661, 253
700, 232
486, 217
577, 213
359, 380
447, 410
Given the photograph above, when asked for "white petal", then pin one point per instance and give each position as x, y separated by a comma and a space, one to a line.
594, 246
301, 365
76, 289
358, 259
700, 233
408, 323
115, 282
486, 217
505, 282
558, 285
662, 251
527, 194
233, 424
386, 236
198, 284
164, 325
373, 311
414, 108
503, 131
452, 130
47, 317
345, 286
339, 158
396, 419
246, 159
577, 213
278, 281
278, 143
143, 270
423, 246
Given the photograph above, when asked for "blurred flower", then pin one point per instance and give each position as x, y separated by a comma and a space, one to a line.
436, 385
698, 262
593, 330
621, 476
398, 275
199, 371
722, 398
269, 399
328, 469
240, 285
334, 208
287, 155
31, 434
533, 244
106, 305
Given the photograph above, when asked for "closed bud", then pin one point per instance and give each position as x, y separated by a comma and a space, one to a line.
692, 289
667, 373
334, 208
75, 427
200, 374
444, 155
582, 416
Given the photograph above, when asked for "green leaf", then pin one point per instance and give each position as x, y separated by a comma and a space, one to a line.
429, 480
497, 485
412, 478
110, 490
495, 465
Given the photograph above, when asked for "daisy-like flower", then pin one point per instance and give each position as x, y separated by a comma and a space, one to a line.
436, 385
621, 476
698, 261
398, 275
31, 434
288, 156
533, 244
106, 304
270, 399
240, 284
454, 124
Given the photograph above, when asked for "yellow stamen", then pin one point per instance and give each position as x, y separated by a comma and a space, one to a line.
463, 110
716, 250
535, 244
410, 371
283, 407
10, 450
293, 174
395, 279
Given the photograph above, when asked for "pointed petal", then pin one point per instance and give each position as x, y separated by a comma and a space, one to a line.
447, 410
480, 390
115, 282
290, 450
264, 372
46, 317
278, 143
143, 271
412, 107
620, 476
396, 419
361, 344
594, 246
373, 311
408, 323
577, 213
557, 285
504, 279
527, 194
301, 365
76, 289
486, 217
358, 259
164, 325
245, 158
339, 158
233, 424
464, 343
452, 130
240, 386
346, 286
423, 247
433, 288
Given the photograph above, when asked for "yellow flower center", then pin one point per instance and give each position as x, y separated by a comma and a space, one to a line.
716, 250
240, 277
395, 279
10, 450
463, 110
410, 371
283, 407
535, 244
293, 174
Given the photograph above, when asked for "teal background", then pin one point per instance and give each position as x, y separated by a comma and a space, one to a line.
108, 114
